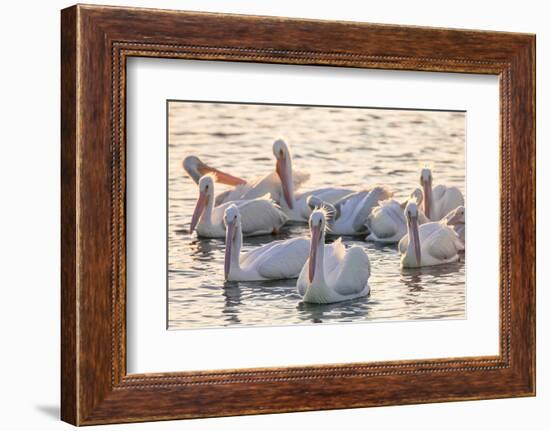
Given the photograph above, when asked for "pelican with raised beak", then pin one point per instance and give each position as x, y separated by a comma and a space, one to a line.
439, 200
260, 216
273, 261
433, 243
332, 273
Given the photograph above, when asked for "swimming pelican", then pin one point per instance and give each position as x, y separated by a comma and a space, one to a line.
281, 186
457, 220
440, 200
279, 183
387, 223
332, 273
294, 205
433, 243
259, 216
274, 261
348, 216
301, 210
196, 168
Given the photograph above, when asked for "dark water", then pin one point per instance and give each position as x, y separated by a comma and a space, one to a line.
338, 146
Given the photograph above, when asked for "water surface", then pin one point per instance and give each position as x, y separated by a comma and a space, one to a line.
352, 147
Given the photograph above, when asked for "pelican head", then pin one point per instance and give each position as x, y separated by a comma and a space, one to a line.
411, 213
426, 183
284, 170
314, 202
232, 221
317, 224
330, 211
231, 215
416, 196
456, 216
206, 194
196, 168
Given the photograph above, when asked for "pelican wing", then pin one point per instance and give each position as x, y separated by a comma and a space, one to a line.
446, 199
285, 260
254, 256
261, 186
332, 194
453, 194
255, 188
261, 215
327, 194
443, 243
246, 207
302, 283
424, 232
299, 178
386, 220
351, 200
403, 244
439, 191
341, 219
234, 194
347, 205
353, 273
334, 255
364, 207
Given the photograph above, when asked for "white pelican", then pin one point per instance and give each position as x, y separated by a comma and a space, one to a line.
348, 216
457, 220
440, 200
274, 261
196, 168
259, 216
294, 204
433, 243
301, 210
387, 223
279, 184
332, 273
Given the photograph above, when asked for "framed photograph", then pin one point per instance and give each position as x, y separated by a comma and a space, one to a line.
265, 215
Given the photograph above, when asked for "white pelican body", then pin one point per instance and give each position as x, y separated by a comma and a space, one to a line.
242, 189
433, 243
348, 216
273, 261
457, 220
259, 216
261, 186
387, 223
440, 200
301, 210
293, 204
332, 273
280, 185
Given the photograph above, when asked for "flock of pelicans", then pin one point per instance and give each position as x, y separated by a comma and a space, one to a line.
429, 227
